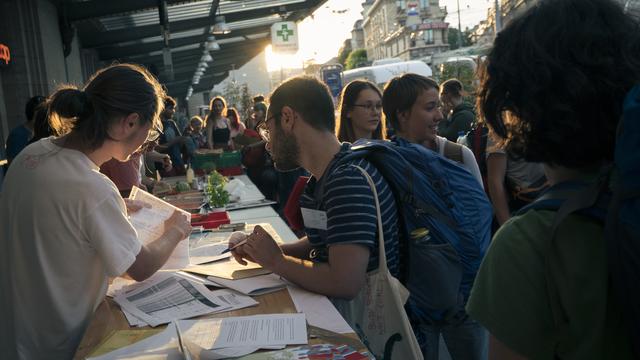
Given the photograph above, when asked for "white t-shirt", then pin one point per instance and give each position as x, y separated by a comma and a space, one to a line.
63, 232
468, 159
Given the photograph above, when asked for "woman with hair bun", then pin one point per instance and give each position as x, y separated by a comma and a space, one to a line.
64, 228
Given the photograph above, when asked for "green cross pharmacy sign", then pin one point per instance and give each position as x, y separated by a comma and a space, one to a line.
284, 37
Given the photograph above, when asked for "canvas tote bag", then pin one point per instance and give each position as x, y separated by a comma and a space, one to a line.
377, 312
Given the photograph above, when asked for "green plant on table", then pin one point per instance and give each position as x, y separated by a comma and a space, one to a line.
217, 195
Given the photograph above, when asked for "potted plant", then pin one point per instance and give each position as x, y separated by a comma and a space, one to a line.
217, 195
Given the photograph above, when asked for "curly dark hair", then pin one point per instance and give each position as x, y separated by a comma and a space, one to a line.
553, 85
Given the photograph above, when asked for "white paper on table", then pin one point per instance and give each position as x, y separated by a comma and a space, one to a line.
319, 310
132, 319
256, 285
164, 345
233, 300
246, 331
170, 298
149, 224
208, 253
118, 285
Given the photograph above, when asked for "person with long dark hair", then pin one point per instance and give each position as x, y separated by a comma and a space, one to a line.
552, 91
217, 124
360, 112
235, 125
64, 229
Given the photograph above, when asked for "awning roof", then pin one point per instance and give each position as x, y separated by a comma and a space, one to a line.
129, 31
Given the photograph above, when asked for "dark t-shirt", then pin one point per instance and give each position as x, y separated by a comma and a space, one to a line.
17, 140
350, 211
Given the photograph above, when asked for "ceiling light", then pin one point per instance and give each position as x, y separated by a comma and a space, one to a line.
206, 58
212, 45
220, 27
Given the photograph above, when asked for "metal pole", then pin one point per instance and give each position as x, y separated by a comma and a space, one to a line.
459, 26
498, 21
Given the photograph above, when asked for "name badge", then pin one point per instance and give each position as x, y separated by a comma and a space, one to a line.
314, 219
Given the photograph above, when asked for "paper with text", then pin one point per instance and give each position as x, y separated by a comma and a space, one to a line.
168, 299
243, 331
149, 224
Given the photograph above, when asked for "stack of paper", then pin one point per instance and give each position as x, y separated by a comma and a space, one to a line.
218, 338
168, 297
252, 286
149, 224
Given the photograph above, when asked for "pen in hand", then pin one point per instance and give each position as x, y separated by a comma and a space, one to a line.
236, 245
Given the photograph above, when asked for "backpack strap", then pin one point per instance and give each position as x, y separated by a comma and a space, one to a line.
566, 199
453, 151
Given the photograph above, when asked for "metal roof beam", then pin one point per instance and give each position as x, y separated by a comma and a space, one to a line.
116, 52
82, 10
177, 56
105, 38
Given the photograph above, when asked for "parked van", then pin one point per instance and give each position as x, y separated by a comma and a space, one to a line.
380, 74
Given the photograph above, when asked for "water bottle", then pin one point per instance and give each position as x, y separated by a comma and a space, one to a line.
190, 176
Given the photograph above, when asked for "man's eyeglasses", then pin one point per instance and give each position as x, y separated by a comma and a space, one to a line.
262, 128
370, 106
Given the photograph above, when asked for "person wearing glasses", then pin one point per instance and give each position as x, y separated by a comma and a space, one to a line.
411, 103
360, 112
338, 206
64, 228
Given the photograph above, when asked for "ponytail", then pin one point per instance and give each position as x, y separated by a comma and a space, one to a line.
110, 94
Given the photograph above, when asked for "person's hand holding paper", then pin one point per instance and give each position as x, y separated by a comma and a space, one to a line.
179, 224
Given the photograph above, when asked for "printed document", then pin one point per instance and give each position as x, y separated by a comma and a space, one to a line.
168, 299
149, 224
243, 331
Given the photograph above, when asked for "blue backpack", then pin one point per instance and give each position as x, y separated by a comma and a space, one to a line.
437, 195
613, 200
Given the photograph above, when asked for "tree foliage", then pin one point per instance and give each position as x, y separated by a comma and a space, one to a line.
356, 59
453, 38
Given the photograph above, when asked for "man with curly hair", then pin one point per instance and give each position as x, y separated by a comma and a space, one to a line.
552, 89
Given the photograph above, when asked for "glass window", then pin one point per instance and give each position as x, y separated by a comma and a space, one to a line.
428, 36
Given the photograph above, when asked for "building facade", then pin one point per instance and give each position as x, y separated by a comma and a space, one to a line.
409, 30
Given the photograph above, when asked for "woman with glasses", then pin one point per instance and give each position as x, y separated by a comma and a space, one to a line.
360, 112
64, 228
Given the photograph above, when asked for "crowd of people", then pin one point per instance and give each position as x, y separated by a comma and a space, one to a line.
546, 115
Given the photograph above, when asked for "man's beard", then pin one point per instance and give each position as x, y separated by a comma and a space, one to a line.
285, 152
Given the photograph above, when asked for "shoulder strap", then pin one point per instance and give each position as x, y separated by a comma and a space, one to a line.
567, 198
453, 151
382, 256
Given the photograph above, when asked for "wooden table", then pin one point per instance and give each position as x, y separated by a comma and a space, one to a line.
108, 318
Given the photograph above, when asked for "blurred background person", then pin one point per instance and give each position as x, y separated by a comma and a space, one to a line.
459, 114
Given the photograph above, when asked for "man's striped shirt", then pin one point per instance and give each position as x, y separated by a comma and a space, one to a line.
348, 202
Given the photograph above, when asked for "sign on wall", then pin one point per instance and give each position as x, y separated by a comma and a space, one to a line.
284, 37
5, 55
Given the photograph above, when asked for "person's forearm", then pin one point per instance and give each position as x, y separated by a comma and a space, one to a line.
317, 277
500, 202
299, 249
153, 255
